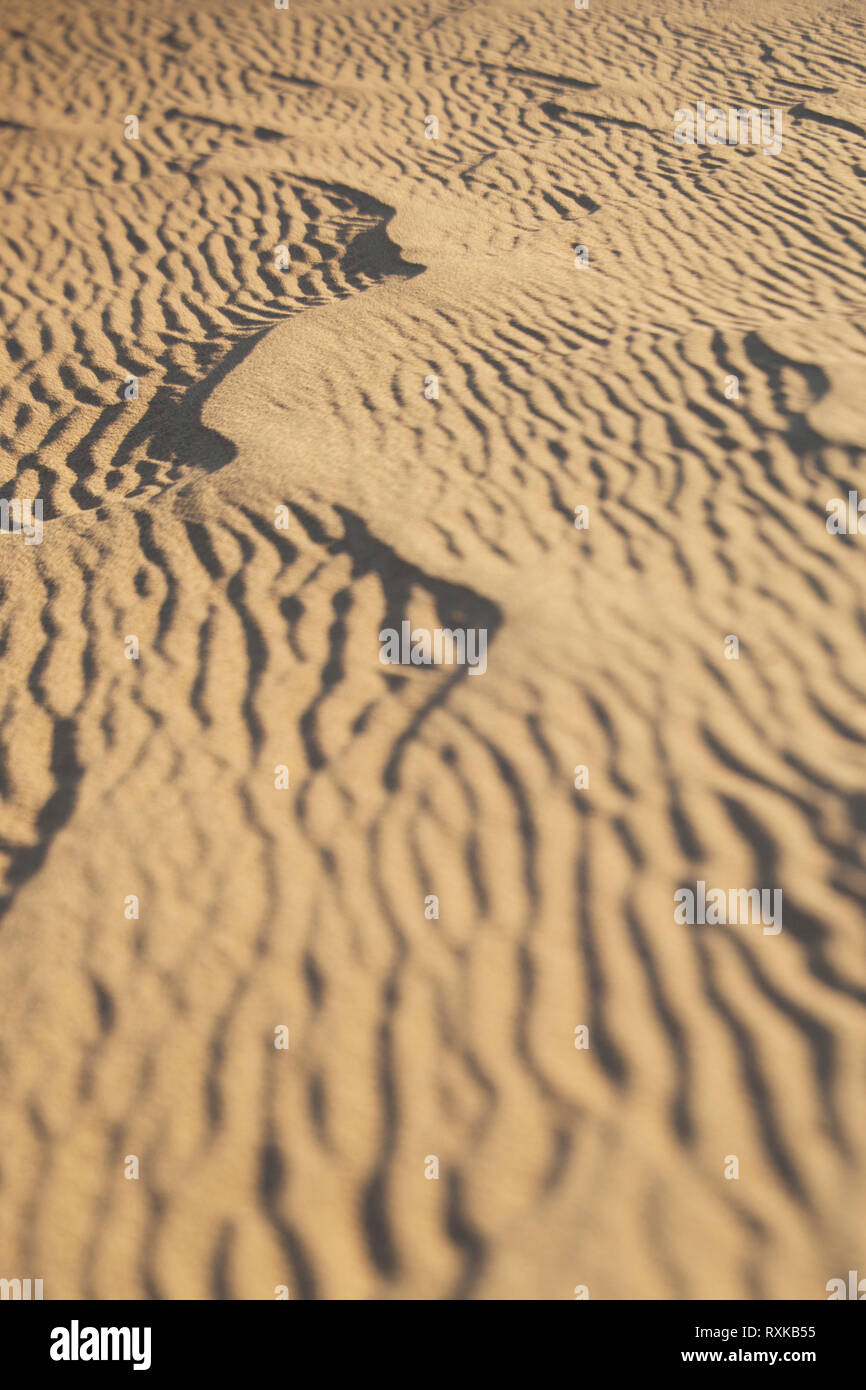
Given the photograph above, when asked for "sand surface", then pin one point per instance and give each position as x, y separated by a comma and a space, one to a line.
560, 385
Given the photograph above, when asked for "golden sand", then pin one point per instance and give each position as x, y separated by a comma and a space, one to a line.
151, 784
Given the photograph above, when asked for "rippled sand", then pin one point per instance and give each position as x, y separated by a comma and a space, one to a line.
559, 386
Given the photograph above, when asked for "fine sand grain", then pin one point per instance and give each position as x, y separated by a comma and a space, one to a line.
559, 385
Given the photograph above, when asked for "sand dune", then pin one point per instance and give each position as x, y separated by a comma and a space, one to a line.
303, 388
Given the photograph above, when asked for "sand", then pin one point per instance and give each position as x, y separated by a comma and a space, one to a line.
278, 807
